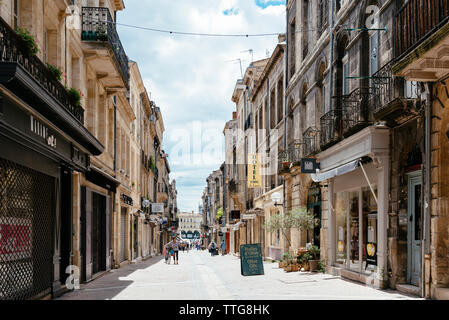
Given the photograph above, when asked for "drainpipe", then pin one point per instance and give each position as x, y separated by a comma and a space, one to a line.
245, 158
428, 194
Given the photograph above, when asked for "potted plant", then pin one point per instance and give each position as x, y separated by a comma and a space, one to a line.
284, 262
304, 261
314, 253
28, 44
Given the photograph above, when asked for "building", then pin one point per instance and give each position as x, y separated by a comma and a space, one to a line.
46, 148
190, 225
77, 136
418, 240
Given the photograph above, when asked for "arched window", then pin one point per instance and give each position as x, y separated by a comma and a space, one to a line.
303, 119
321, 101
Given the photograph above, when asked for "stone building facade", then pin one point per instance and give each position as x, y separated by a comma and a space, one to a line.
93, 169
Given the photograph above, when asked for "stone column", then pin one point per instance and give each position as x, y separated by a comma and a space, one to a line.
331, 224
382, 216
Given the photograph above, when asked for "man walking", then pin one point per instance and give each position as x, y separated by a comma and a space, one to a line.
212, 248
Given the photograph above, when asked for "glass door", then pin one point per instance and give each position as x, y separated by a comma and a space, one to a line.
414, 228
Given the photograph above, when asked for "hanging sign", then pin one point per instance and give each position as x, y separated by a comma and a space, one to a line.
157, 208
254, 178
251, 260
309, 166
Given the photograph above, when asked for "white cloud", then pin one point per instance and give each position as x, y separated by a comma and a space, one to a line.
189, 77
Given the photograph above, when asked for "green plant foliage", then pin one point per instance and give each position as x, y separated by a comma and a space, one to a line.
55, 71
286, 256
29, 45
303, 220
321, 266
74, 97
219, 213
314, 252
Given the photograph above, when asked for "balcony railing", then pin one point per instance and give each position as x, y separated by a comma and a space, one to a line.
289, 157
391, 89
98, 26
311, 141
416, 20
12, 50
356, 113
331, 125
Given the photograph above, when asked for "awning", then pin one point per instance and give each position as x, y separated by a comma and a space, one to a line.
346, 168
102, 179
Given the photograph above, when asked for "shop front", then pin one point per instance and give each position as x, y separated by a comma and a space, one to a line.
38, 157
357, 175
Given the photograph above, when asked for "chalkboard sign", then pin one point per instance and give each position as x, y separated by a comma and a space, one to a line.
251, 260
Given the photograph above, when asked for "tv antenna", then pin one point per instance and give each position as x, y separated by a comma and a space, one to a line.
240, 61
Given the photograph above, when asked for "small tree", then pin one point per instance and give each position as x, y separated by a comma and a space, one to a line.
279, 222
297, 218
303, 220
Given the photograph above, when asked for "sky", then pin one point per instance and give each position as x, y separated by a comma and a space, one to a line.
192, 78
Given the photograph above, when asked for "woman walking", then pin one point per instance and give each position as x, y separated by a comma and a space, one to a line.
175, 247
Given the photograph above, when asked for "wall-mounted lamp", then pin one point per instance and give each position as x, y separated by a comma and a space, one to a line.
276, 197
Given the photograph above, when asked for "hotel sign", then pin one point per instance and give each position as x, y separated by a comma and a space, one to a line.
254, 178
309, 166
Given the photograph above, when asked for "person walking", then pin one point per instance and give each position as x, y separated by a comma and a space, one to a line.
212, 248
167, 253
223, 247
175, 247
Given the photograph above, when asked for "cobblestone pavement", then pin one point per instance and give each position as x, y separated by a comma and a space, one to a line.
200, 276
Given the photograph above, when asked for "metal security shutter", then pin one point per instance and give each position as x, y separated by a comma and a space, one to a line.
122, 235
26, 232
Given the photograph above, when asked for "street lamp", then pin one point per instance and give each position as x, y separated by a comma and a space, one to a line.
276, 197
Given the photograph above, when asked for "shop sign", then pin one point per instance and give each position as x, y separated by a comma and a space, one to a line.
254, 177
42, 131
371, 252
126, 199
251, 260
249, 216
224, 229
157, 207
309, 165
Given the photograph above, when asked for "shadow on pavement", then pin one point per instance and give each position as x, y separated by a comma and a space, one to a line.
109, 285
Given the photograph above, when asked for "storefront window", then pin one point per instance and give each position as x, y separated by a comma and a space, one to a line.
340, 214
354, 230
369, 242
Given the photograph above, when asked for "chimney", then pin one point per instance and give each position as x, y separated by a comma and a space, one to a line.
234, 115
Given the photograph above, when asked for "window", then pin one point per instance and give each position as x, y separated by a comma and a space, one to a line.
305, 27
280, 100
374, 53
292, 48
16, 14
324, 15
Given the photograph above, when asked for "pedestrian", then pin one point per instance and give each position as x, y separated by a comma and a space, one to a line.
175, 247
167, 253
212, 248
223, 247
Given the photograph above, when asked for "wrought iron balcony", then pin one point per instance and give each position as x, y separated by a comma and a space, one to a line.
331, 126
98, 26
416, 21
311, 141
13, 51
393, 95
356, 113
288, 158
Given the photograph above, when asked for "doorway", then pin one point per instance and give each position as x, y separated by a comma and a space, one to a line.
314, 207
98, 234
136, 236
123, 216
414, 227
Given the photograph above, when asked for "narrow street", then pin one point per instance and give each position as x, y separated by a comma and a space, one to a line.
202, 277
